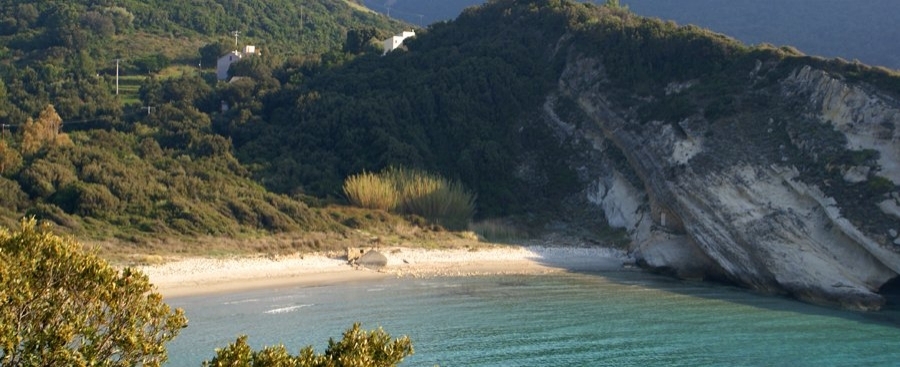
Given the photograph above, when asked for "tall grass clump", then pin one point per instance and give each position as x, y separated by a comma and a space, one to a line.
435, 198
498, 230
438, 200
371, 191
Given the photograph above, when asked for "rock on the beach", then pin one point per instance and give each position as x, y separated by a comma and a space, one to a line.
372, 259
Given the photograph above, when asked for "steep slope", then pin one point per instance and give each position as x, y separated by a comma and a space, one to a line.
767, 169
757, 166
67, 53
74, 152
738, 199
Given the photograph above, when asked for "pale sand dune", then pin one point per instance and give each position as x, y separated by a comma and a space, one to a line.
194, 276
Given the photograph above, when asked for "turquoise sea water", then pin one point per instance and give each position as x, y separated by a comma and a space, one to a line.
609, 319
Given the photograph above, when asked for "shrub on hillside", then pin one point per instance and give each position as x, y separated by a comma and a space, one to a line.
60, 306
87, 199
371, 191
43, 177
13, 197
10, 159
357, 348
440, 201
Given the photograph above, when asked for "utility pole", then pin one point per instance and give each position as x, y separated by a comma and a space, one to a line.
148, 109
301, 25
117, 77
235, 33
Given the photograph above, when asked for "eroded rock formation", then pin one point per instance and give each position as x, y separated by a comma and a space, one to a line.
752, 198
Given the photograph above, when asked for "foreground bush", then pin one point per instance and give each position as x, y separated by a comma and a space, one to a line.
60, 306
358, 348
438, 200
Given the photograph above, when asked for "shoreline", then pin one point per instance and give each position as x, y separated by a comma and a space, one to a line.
200, 276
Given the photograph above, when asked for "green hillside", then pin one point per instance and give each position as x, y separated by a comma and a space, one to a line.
64, 52
147, 164
459, 100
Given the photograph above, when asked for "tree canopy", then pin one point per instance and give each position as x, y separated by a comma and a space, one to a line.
195, 156
60, 306
357, 348
67, 53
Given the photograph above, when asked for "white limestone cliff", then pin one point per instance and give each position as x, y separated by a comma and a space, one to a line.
756, 222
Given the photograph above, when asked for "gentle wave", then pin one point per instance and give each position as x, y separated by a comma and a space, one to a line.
286, 309
608, 319
241, 301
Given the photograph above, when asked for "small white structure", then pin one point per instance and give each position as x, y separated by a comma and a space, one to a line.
224, 62
394, 42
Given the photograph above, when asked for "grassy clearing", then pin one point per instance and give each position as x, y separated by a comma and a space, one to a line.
359, 7
129, 86
136, 45
177, 71
353, 227
160, 250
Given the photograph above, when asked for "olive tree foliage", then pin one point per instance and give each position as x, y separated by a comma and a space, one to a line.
613, 4
211, 52
10, 159
358, 348
45, 131
60, 306
360, 40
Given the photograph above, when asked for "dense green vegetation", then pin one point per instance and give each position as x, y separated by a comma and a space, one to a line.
358, 348
269, 152
452, 104
60, 306
147, 163
64, 52
167, 176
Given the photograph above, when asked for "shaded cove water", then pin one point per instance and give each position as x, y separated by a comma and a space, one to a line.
607, 319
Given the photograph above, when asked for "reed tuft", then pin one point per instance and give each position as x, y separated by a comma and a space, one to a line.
371, 191
438, 200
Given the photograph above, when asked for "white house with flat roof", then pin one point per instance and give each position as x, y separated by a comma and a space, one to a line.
394, 42
224, 62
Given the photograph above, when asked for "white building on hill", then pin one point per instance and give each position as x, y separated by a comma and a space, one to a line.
224, 62
392, 43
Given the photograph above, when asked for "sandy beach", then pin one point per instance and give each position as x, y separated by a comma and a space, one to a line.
195, 276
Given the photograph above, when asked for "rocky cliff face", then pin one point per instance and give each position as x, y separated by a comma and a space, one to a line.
777, 197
